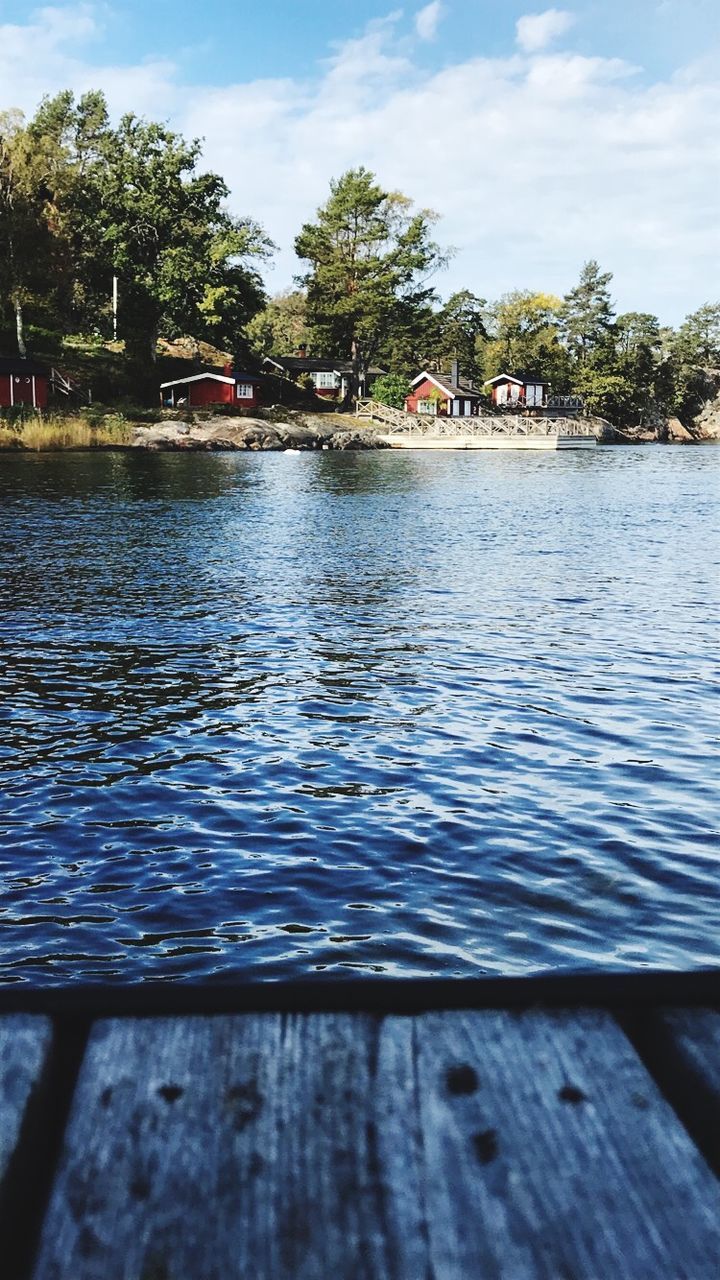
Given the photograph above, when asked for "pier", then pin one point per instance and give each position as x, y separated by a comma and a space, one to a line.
403, 430
518, 1128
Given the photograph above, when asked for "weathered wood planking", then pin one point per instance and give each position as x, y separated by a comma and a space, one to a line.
690, 1044
549, 1152
695, 1035
207, 1149
24, 1048
448, 1146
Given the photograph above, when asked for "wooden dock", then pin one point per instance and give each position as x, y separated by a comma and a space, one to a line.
564, 1129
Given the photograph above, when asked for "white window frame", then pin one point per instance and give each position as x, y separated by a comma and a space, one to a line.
426, 404
244, 391
325, 381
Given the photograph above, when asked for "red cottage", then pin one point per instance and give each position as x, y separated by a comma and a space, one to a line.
201, 390
22, 382
522, 392
443, 396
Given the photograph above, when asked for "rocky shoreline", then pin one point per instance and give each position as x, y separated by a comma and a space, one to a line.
256, 434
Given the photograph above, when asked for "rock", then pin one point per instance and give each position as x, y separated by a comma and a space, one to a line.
216, 431
677, 433
707, 424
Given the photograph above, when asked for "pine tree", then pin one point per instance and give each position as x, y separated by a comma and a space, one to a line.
369, 259
587, 314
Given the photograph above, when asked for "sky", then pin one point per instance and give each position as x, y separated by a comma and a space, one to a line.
543, 136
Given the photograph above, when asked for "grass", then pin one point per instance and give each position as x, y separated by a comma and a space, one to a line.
67, 431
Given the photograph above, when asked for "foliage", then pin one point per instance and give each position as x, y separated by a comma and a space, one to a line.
81, 201
524, 337
391, 389
462, 331
369, 259
281, 327
587, 312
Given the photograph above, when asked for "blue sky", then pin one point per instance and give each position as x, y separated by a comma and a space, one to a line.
226, 41
543, 135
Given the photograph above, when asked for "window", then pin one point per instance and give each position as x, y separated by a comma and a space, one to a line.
325, 381
427, 406
244, 391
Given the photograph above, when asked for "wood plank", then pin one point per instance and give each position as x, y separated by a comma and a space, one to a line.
684, 1050
24, 1048
447, 1146
695, 1035
549, 1152
220, 1148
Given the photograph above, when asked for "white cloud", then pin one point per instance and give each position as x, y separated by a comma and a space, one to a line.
428, 19
534, 164
535, 31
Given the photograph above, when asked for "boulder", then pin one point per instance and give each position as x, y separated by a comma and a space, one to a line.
677, 433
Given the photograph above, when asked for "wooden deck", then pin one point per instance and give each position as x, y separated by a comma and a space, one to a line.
565, 1129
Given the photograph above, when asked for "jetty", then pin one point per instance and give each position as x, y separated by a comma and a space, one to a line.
363, 1130
402, 430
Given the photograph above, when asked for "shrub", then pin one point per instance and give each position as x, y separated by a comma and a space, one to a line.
391, 389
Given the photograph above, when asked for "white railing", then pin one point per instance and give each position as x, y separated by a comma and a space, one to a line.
439, 426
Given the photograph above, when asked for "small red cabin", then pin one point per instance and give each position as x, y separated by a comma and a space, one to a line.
201, 390
22, 382
444, 396
524, 392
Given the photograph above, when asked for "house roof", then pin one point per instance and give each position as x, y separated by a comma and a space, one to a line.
314, 364
521, 379
454, 390
16, 365
209, 376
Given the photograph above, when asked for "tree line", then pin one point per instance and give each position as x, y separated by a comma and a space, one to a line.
85, 203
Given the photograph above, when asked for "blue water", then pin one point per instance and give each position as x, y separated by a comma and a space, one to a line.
269, 716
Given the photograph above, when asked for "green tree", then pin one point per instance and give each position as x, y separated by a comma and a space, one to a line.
587, 312
183, 262
26, 240
462, 333
369, 259
281, 327
524, 336
391, 389
694, 352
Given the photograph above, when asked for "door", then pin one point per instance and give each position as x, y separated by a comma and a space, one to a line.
23, 390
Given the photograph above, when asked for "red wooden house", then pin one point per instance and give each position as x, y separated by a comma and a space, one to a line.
444, 396
23, 382
524, 391
201, 390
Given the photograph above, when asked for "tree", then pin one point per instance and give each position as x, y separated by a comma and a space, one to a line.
26, 242
391, 389
281, 327
462, 332
524, 337
369, 259
182, 260
587, 312
694, 352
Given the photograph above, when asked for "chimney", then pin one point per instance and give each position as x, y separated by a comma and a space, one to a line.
454, 372
227, 369
302, 350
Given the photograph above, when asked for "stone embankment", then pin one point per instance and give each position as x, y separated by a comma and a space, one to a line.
255, 434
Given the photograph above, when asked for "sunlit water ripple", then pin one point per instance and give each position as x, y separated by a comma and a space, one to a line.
283, 715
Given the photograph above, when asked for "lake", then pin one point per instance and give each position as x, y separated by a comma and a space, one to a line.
269, 716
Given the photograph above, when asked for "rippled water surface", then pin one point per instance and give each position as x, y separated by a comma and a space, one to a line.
280, 715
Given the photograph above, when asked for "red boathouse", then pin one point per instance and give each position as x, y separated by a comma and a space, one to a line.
201, 390
22, 382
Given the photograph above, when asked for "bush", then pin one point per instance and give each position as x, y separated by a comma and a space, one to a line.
390, 389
